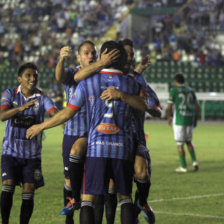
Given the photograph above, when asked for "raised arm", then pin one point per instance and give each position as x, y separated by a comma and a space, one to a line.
7, 113
60, 73
144, 64
59, 118
105, 60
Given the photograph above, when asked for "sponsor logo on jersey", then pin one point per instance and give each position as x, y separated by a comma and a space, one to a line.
107, 128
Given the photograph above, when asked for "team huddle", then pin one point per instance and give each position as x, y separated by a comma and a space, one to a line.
104, 146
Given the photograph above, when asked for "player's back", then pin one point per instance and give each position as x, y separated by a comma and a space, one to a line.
184, 99
110, 134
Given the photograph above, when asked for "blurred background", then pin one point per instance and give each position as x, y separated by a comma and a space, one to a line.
179, 35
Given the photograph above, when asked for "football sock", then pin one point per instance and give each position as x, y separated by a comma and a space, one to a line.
110, 205
127, 211
87, 213
68, 193
6, 202
193, 155
183, 161
99, 207
143, 190
26, 207
76, 173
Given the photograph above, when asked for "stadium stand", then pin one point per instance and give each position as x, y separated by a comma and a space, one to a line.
186, 37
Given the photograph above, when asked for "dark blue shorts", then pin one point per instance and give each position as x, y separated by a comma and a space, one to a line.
67, 144
144, 152
22, 170
99, 170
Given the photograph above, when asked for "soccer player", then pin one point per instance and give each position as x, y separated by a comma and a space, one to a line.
183, 104
142, 165
75, 132
110, 140
22, 107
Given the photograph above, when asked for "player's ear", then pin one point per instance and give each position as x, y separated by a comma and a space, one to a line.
19, 78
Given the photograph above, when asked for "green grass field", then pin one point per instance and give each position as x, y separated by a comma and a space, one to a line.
191, 198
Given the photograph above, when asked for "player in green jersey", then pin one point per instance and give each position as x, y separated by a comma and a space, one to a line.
183, 104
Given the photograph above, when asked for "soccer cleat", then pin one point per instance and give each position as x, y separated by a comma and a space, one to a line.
195, 164
181, 170
70, 207
148, 213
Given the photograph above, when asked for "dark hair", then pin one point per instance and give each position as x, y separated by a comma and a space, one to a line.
126, 42
179, 77
85, 42
25, 66
121, 60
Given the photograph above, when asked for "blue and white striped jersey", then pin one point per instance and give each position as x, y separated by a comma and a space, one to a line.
153, 101
110, 122
14, 141
76, 126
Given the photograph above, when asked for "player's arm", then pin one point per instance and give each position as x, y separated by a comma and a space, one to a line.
144, 64
136, 102
59, 118
7, 113
197, 111
153, 111
60, 73
105, 60
169, 113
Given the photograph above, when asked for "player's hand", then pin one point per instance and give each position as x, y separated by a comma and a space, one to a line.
144, 64
33, 131
65, 52
108, 58
111, 93
27, 105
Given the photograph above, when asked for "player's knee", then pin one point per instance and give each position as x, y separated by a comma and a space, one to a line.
9, 182
28, 188
79, 147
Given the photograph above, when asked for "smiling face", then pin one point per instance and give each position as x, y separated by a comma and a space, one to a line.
87, 55
28, 80
130, 57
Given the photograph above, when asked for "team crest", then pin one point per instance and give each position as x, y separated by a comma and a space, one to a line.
36, 106
110, 77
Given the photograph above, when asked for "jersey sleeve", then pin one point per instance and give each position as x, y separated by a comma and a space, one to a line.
48, 104
6, 99
78, 98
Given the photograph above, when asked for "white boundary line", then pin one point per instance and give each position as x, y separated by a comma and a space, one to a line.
188, 198
190, 214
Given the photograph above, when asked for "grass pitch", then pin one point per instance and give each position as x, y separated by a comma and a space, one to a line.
191, 198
